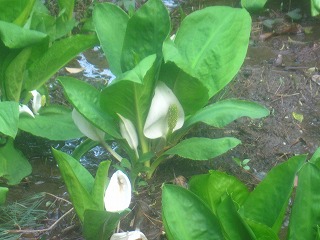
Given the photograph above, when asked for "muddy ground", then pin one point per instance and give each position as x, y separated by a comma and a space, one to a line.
287, 87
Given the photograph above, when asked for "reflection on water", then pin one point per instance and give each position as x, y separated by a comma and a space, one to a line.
90, 70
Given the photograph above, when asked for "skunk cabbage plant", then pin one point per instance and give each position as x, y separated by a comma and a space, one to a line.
223, 208
164, 86
100, 203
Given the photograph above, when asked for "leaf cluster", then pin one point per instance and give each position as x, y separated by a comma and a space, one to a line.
223, 208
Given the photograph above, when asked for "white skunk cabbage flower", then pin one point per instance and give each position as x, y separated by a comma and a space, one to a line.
25, 109
166, 114
87, 128
117, 196
36, 101
133, 235
128, 132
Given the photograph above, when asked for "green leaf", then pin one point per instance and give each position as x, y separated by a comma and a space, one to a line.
234, 226
211, 45
24, 13
273, 194
55, 27
130, 95
3, 195
100, 184
213, 187
186, 217
305, 214
54, 122
253, 5
79, 183
15, 74
83, 148
16, 11
14, 36
203, 148
191, 92
85, 98
59, 54
111, 33
145, 33
9, 118
66, 7
13, 165
315, 7
315, 159
224, 112
261, 231
100, 225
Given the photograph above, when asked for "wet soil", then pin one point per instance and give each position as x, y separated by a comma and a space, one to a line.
287, 87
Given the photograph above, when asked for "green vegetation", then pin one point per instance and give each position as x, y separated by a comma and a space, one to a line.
223, 208
34, 45
163, 86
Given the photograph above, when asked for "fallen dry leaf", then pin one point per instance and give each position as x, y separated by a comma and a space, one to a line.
74, 70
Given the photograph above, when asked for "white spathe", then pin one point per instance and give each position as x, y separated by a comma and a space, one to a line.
133, 235
156, 125
117, 196
128, 132
36, 101
25, 109
87, 128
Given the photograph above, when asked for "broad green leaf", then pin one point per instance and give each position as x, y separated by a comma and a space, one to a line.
234, 226
9, 118
14, 36
212, 188
3, 195
211, 45
24, 13
186, 217
14, 75
192, 94
60, 53
55, 27
66, 7
269, 200
110, 22
139, 72
15, 10
145, 33
315, 7
130, 95
305, 214
79, 182
203, 148
253, 5
13, 165
224, 112
85, 98
261, 231
315, 159
100, 225
100, 184
54, 122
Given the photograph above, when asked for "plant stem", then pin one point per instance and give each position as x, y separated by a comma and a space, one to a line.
110, 150
154, 166
142, 138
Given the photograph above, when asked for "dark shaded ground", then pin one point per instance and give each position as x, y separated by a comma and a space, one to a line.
284, 88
